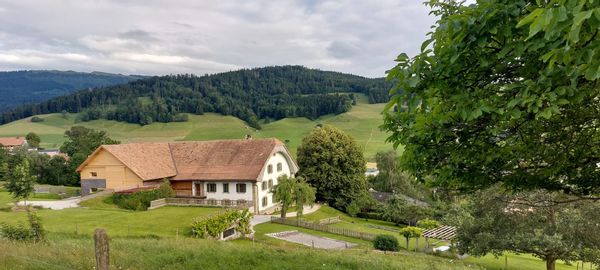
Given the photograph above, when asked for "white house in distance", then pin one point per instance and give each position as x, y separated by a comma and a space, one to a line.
13, 142
221, 170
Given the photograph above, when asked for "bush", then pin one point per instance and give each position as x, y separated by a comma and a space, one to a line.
35, 232
36, 119
352, 209
386, 242
370, 215
15, 233
140, 201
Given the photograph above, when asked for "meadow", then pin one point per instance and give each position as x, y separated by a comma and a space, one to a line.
362, 122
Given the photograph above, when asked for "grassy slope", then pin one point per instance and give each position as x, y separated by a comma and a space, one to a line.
362, 122
77, 253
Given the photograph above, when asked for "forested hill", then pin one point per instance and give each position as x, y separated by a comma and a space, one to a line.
20, 87
268, 93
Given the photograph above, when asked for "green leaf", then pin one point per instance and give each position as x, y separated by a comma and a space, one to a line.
562, 14
577, 22
529, 18
426, 43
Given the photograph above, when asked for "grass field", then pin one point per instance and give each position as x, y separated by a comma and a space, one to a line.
163, 222
63, 252
362, 122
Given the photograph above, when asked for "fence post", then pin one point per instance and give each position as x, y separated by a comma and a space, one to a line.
102, 251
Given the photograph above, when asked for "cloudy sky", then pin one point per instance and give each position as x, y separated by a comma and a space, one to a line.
154, 37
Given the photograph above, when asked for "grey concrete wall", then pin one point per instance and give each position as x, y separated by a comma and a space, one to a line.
88, 184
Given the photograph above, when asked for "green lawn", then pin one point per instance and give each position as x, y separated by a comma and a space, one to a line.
164, 222
362, 122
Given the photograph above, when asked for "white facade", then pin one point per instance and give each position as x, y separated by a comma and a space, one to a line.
221, 194
258, 192
280, 166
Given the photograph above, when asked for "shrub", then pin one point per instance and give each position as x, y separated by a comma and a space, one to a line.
140, 201
213, 226
35, 232
386, 242
15, 233
428, 224
352, 209
36, 119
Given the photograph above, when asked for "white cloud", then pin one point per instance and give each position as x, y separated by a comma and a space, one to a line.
157, 37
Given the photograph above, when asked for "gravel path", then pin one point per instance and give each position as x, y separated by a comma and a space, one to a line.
65, 203
311, 240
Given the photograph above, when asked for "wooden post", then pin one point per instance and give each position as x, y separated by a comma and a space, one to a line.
505, 262
102, 252
76, 228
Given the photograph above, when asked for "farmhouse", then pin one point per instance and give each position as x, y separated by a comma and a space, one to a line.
221, 170
13, 142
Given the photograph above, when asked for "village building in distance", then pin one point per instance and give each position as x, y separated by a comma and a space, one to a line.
11, 143
220, 170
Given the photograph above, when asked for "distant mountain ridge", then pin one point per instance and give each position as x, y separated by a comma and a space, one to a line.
253, 95
33, 86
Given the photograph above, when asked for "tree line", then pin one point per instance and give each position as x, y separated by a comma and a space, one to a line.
250, 94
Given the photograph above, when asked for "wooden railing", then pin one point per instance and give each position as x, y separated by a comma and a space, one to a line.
200, 202
323, 228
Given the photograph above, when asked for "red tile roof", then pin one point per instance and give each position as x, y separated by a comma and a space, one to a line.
11, 142
201, 160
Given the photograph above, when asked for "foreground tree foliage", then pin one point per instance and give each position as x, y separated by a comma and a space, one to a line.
19, 181
334, 164
290, 191
504, 91
530, 222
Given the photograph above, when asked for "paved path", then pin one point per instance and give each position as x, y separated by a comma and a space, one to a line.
311, 240
65, 203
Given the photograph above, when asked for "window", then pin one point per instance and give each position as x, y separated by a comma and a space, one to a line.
94, 174
265, 201
270, 183
226, 188
270, 168
211, 187
279, 167
264, 185
240, 188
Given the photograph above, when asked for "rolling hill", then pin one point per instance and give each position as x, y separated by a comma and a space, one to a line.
253, 95
21, 87
362, 122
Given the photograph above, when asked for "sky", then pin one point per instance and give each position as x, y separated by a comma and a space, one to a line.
151, 37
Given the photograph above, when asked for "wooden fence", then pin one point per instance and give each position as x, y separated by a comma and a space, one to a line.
323, 228
200, 202
331, 220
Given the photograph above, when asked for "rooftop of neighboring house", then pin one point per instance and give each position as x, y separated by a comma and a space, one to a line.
12, 141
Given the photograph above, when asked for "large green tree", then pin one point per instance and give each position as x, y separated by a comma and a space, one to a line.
530, 222
81, 142
503, 91
332, 162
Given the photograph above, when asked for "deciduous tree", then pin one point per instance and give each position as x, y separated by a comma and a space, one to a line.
503, 91
334, 164
536, 222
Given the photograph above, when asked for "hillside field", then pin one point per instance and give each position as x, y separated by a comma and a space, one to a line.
362, 122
